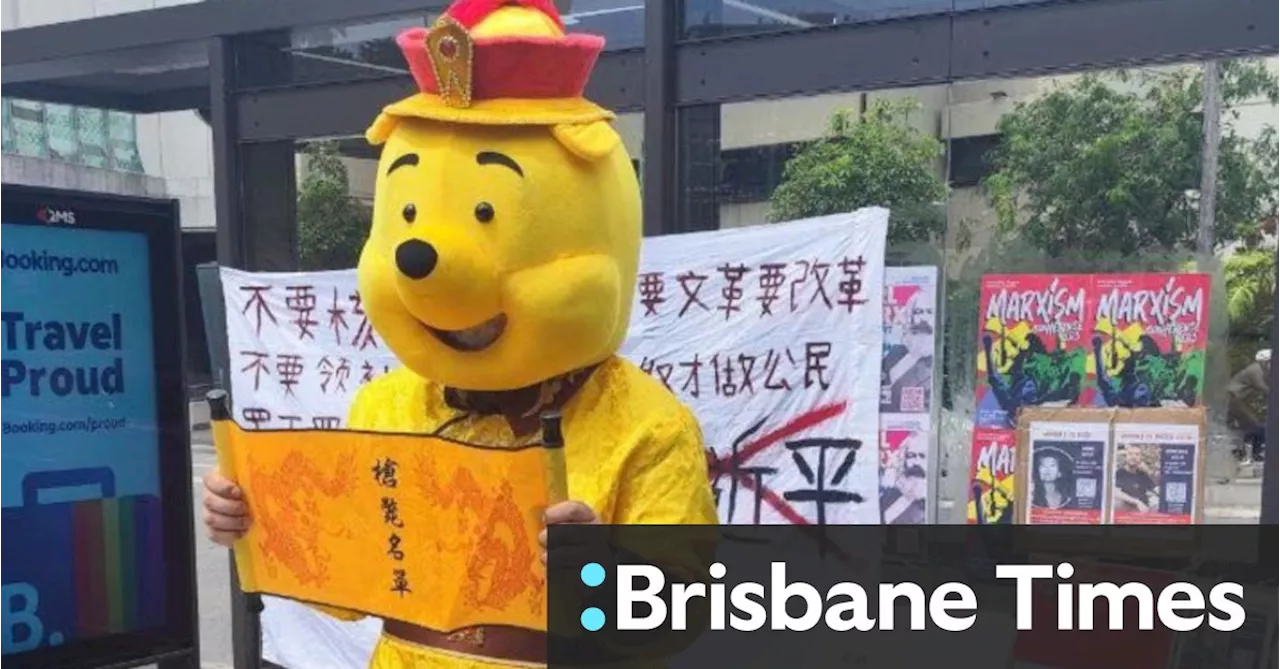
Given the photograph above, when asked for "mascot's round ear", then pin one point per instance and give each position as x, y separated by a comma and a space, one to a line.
381, 129
589, 141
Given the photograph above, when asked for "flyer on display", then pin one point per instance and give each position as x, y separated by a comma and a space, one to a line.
1149, 337
1157, 473
906, 392
1086, 340
1031, 347
1064, 459
991, 471
904, 470
910, 337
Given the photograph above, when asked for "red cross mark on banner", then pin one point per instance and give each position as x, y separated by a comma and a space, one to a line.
732, 464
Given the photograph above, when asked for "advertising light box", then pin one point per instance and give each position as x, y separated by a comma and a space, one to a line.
96, 477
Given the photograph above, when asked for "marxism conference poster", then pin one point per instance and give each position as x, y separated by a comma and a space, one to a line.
1081, 340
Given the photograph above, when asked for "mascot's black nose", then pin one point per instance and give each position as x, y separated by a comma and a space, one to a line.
416, 258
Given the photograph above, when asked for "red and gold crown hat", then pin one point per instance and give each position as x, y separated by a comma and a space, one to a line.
497, 62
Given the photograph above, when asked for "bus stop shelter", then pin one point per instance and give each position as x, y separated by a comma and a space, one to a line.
249, 68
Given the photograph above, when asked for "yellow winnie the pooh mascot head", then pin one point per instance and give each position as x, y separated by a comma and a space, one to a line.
506, 223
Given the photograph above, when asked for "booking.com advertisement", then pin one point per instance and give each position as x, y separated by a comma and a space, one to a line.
81, 480
1023, 597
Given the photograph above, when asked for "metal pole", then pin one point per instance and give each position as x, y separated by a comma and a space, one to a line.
226, 160
246, 630
1212, 94
658, 158
1270, 483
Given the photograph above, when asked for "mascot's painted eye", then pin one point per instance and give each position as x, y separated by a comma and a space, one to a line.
410, 212
484, 212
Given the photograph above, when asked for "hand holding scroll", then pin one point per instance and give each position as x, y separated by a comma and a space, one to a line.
566, 513
226, 516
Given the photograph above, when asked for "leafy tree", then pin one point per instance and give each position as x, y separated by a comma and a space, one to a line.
1251, 291
877, 160
332, 225
1095, 168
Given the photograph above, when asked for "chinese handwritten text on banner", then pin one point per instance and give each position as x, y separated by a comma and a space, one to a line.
355, 520
773, 336
300, 346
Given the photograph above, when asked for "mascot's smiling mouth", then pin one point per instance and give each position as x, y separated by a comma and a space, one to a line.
472, 339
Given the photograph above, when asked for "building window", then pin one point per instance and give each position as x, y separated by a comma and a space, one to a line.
122, 138
28, 128
78, 135
60, 130
91, 130
971, 159
751, 174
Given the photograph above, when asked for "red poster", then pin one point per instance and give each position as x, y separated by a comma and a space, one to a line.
991, 465
1032, 344
1149, 337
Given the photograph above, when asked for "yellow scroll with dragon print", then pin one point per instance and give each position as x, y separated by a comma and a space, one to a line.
420, 529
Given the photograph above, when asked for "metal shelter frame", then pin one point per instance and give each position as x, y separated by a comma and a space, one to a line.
230, 60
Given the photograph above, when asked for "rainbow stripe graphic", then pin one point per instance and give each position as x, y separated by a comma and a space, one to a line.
98, 565
115, 542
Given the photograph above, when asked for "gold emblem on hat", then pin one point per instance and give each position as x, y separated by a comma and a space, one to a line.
450, 49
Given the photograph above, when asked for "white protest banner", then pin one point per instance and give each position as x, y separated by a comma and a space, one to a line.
300, 346
772, 335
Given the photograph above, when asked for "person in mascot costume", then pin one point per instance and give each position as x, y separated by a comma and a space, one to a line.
500, 269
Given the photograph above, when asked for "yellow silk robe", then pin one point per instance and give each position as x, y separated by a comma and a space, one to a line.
634, 454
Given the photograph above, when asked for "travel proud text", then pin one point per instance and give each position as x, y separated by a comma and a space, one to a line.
22, 335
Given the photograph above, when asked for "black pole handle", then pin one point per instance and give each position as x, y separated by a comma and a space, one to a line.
219, 408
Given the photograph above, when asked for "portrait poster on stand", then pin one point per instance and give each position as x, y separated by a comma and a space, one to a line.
1064, 456
1158, 467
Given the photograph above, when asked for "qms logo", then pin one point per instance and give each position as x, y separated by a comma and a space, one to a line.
23, 630
55, 216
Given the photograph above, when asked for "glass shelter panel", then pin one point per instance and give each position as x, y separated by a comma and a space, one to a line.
366, 49
1060, 217
720, 18
1092, 184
